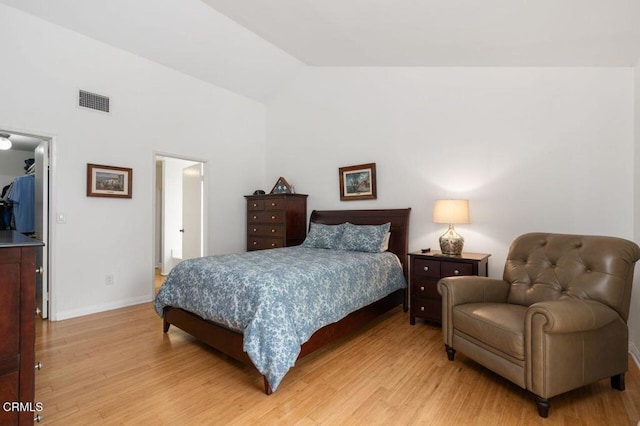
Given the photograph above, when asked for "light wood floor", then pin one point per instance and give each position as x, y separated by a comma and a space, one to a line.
118, 367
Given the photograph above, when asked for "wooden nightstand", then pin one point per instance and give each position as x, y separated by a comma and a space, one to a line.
426, 269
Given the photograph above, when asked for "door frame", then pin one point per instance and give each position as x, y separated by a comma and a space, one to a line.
154, 205
52, 207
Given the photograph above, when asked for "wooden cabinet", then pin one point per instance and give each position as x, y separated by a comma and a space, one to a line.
17, 327
276, 220
426, 269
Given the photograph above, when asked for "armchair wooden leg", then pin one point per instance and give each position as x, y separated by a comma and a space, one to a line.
451, 353
617, 381
543, 405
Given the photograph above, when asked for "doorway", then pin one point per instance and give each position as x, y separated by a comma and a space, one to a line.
179, 212
28, 157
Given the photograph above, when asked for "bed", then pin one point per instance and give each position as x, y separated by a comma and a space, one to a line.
240, 331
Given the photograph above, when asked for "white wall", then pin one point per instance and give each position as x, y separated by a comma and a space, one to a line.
533, 149
154, 110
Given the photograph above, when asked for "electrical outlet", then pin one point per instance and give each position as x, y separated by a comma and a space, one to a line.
109, 279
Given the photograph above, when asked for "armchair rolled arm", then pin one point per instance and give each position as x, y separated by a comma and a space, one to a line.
472, 289
467, 289
570, 315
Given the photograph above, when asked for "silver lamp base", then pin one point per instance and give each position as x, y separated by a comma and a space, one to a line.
451, 242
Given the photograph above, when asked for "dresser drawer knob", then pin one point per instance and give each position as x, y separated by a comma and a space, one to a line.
273, 217
255, 230
422, 288
273, 230
422, 308
255, 204
38, 365
273, 204
273, 244
426, 268
255, 243
255, 217
456, 272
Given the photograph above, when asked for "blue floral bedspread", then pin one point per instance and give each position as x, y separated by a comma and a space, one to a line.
278, 298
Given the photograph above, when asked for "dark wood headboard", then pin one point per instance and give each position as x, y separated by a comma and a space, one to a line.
399, 219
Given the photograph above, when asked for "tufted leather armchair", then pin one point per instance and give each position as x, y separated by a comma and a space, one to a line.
555, 322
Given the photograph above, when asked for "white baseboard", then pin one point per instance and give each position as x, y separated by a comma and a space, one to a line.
635, 353
102, 308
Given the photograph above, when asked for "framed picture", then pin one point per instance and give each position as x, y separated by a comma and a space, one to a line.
108, 181
358, 182
282, 187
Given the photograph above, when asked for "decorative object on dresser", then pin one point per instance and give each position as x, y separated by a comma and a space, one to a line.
276, 220
109, 181
358, 182
282, 187
426, 269
451, 212
17, 328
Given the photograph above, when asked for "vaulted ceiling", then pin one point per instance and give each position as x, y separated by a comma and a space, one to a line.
253, 47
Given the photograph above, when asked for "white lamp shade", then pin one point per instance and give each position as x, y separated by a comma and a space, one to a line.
451, 211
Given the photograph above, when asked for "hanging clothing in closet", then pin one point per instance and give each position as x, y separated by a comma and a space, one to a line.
22, 195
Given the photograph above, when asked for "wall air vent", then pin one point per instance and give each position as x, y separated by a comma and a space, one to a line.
93, 101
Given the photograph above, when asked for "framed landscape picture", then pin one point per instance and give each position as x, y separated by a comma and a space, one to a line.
108, 181
358, 182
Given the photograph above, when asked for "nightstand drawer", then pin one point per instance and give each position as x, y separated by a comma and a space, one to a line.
428, 308
425, 287
451, 269
427, 268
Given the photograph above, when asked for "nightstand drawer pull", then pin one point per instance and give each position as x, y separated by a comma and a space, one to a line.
422, 288
273, 204
273, 230
426, 268
273, 244
255, 243
456, 272
255, 205
422, 308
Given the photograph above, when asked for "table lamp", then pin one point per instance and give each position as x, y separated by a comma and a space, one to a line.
451, 212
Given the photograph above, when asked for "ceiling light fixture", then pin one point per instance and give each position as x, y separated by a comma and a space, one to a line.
5, 143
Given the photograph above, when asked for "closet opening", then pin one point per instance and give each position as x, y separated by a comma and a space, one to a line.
24, 200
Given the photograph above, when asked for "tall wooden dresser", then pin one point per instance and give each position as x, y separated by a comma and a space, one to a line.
17, 327
276, 220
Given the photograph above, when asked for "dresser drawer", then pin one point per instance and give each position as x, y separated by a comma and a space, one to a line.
265, 230
266, 217
425, 287
427, 268
452, 269
274, 204
255, 205
259, 243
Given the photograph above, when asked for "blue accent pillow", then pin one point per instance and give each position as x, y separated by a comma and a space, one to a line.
323, 236
366, 238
